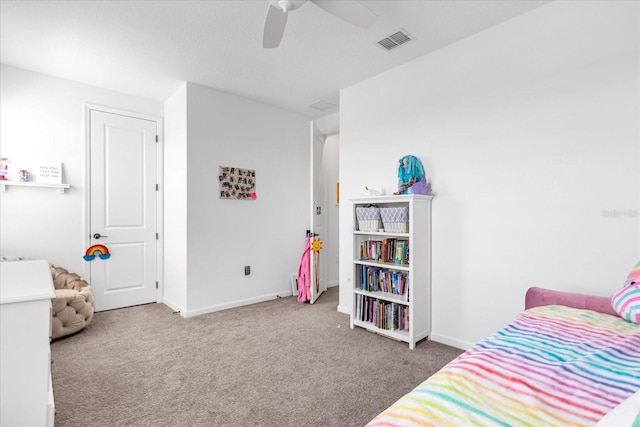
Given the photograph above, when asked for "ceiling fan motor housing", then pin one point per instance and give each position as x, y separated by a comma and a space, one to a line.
350, 11
287, 5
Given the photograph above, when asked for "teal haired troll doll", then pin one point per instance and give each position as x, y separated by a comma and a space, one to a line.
411, 177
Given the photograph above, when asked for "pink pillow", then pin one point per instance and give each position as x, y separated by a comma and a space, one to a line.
635, 273
626, 301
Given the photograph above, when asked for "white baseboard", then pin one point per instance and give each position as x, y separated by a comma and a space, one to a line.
442, 339
240, 303
344, 309
173, 306
211, 309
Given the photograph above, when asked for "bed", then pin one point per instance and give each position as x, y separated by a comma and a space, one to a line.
567, 360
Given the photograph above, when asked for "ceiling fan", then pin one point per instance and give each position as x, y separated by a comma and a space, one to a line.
350, 11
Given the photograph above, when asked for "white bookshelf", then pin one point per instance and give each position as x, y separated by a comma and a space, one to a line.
418, 270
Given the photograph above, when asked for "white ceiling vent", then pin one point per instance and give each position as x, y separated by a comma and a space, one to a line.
396, 39
322, 105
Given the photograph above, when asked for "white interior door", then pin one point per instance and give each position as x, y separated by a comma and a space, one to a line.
318, 259
123, 194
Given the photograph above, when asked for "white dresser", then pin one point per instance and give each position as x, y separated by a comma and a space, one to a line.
26, 392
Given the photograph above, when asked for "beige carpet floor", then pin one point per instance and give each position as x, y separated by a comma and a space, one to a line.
277, 363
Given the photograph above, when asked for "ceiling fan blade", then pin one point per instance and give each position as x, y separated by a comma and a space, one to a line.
348, 10
274, 26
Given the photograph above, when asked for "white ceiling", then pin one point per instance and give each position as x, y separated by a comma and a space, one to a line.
148, 48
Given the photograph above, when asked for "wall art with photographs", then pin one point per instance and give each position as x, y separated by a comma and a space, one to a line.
237, 183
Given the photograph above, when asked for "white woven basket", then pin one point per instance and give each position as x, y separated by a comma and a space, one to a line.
369, 224
396, 227
368, 218
395, 219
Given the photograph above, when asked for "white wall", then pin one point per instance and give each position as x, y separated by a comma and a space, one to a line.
175, 206
529, 132
222, 236
207, 240
42, 120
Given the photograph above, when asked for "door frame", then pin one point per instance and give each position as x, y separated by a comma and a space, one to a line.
322, 264
86, 197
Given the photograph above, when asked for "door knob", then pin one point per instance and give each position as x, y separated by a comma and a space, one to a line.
97, 236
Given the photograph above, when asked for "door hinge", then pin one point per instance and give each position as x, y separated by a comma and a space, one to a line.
157, 236
156, 285
156, 138
156, 187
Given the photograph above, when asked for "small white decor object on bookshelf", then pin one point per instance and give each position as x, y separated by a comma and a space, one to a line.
50, 174
392, 269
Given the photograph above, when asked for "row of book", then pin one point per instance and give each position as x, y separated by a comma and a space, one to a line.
386, 315
377, 279
394, 251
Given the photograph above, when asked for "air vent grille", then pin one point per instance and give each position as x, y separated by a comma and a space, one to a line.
322, 105
396, 39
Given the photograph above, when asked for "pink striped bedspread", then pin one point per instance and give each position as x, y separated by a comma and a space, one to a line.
552, 366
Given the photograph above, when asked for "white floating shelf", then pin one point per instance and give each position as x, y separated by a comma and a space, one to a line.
60, 187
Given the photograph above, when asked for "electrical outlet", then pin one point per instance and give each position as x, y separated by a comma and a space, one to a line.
247, 270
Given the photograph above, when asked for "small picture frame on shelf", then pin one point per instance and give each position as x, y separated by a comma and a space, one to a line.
50, 174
